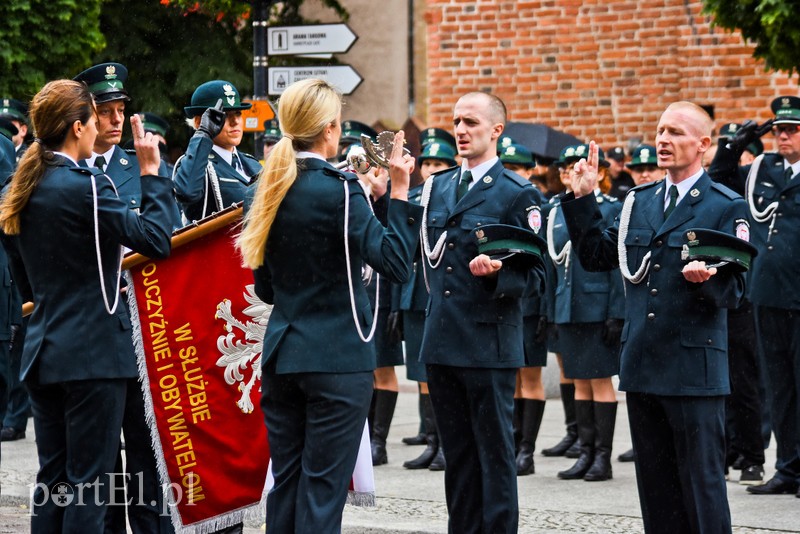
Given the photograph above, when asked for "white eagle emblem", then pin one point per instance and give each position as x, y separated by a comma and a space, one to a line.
238, 354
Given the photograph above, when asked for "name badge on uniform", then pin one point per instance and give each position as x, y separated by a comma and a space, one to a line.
123, 161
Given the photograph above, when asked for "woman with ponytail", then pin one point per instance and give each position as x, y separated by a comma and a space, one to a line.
64, 229
308, 234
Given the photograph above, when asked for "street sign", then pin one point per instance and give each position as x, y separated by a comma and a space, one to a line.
311, 39
254, 117
344, 77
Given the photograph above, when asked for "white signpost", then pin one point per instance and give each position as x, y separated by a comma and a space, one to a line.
310, 39
344, 77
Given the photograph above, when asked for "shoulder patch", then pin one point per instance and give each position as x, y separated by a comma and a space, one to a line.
729, 193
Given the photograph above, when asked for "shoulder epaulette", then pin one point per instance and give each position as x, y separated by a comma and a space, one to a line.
349, 176
131, 151
454, 167
516, 178
728, 192
245, 154
87, 170
610, 198
645, 186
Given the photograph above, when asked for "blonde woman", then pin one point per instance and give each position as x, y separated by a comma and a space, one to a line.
308, 232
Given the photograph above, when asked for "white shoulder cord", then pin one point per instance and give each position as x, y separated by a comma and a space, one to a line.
563, 256
110, 309
211, 181
622, 252
350, 274
769, 211
438, 250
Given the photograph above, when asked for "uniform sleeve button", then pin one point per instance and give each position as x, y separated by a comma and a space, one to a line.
452, 223
657, 267
411, 220
708, 341
770, 247
659, 243
451, 246
654, 292
447, 293
651, 316
448, 270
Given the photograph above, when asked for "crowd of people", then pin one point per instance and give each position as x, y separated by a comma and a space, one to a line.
667, 266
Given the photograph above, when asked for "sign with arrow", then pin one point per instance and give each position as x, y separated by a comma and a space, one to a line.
344, 77
310, 39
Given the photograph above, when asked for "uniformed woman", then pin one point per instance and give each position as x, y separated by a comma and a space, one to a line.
307, 233
589, 308
65, 229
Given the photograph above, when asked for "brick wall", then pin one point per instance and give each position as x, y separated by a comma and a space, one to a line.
598, 69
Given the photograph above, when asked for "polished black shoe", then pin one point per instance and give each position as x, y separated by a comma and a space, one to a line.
774, 486
423, 461
419, 439
579, 469
627, 456
752, 475
379, 456
560, 448
11, 434
438, 463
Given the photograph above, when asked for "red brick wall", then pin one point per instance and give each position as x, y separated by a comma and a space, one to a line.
598, 69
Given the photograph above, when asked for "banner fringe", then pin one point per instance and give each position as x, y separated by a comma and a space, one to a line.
361, 498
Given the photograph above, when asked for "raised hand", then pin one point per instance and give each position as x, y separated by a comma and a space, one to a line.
146, 145
584, 173
212, 121
401, 165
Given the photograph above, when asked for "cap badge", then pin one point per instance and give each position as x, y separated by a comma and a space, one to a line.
123, 161
695, 192
431, 132
785, 102
113, 85
644, 153
433, 149
511, 151
685, 252
111, 72
479, 234
6, 103
691, 236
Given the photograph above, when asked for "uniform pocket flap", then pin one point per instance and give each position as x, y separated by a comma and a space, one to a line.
703, 337
639, 237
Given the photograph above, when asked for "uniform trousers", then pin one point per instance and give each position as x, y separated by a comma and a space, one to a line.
16, 414
314, 426
779, 332
77, 427
680, 460
474, 409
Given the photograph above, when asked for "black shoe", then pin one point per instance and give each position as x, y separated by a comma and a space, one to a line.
423, 461
774, 486
627, 456
562, 446
438, 463
11, 434
752, 475
419, 439
379, 456
525, 465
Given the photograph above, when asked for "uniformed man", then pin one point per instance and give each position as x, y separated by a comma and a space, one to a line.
213, 174
754, 149
674, 364
772, 189
621, 181
16, 111
106, 82
473, 342
158, 126
644, 165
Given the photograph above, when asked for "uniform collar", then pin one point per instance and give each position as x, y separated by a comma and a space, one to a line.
66, 157
106, 155
479, 170
683, 187
795, 166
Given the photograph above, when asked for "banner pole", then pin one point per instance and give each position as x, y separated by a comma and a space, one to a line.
181, 237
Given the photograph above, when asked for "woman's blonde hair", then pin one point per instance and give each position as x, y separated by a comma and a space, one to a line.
53, 111
304, 110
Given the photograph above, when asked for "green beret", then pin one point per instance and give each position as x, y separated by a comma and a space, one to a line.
504, 141
207, 95
153, 123
7, 128
437, 135
643, 155
438, 151
14, 110
105, 82
582, 151
786, 109
567, 155
502, 241
517, 154
352, 130
719, 247
272, 132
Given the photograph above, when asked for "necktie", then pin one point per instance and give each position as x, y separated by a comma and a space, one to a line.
463, 185
673, 200
788, 174
100, 163
235, 163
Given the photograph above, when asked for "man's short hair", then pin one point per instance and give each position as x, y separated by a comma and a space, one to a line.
496, 109
704, 123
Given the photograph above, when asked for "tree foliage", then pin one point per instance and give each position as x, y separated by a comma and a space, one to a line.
42, 40
287, 11
770, 25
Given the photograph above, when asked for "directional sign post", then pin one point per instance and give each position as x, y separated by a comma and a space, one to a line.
311, 39
344, 77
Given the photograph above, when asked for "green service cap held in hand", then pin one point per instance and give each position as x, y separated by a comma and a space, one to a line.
207, 95
503, 241
786, 109
438, 151
106, 82
643, 155
718, 247
517, 154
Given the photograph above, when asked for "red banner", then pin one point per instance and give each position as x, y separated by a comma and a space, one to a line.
198, 330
